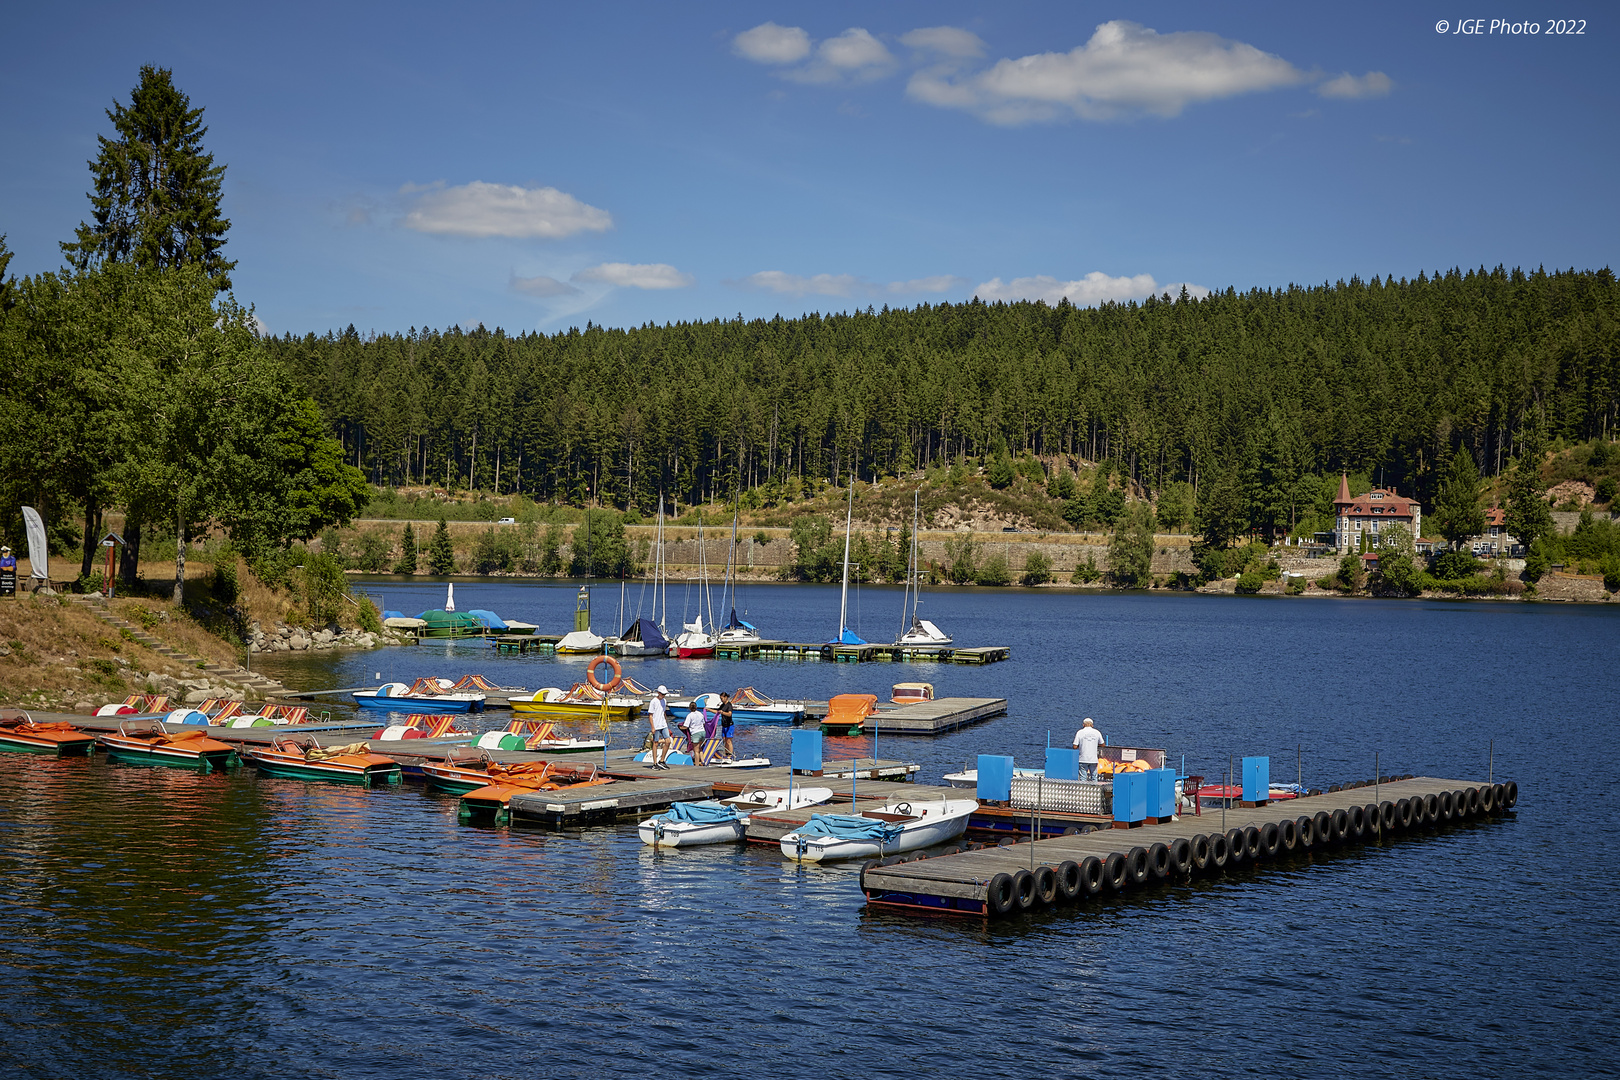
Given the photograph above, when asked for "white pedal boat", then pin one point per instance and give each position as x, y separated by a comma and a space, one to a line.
709, 822
896, 826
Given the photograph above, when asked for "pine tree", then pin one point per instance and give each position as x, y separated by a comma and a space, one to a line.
157, 197
407, 552
1457, 515
441, 554
8, 285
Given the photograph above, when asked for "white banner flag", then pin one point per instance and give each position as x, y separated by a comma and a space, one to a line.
37, 549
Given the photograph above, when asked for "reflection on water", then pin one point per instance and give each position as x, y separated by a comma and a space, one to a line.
166, 923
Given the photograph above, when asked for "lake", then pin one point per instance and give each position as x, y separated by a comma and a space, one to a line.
168, 924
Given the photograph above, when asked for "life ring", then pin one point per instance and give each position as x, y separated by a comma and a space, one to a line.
998, 895
618, 674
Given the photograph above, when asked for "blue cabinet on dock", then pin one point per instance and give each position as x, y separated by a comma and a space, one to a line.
995, 778
1256, 779
1161, 793
1130, 796
807, 751
1062, 763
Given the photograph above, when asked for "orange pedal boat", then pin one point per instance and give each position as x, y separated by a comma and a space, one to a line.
304, 759
19, 731
148, 742
492, 802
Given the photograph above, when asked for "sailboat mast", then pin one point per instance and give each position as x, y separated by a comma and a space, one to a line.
843, 597
731, 565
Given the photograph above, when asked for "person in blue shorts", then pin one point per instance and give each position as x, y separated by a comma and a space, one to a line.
727, 730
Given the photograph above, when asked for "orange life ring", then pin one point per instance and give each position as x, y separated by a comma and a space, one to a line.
618, 674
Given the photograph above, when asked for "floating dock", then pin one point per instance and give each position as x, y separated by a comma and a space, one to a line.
859, 654
998, 881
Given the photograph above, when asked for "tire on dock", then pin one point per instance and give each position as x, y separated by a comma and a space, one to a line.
1180, 857
1136, 866
1046, 888
1068, 881
1487, 798
998, 895
1306, 826
1158, 862
1220, 851
1251, 844
869, 864
1287, 837
1510, 794
1113, 872
1431, 809
1270, 840
1356, 822
1234, 848
1091, 875
1448, 807
1403, 814
1200, 853
1473, 801
1023, 885
1341, 826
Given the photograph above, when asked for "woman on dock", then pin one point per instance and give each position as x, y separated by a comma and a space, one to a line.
694, 731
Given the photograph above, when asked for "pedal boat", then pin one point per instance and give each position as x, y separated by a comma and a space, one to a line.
491, 804
576, 704
896, 826
295, 758
423, 696
694, 824
148, 742
536, 736
20, 732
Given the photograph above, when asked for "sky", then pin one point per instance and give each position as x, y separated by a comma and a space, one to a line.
538, 166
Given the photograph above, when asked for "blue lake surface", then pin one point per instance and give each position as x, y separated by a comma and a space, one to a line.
161, 923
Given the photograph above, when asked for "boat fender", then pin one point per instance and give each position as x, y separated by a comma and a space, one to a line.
1200, 852
869, 864
1487, 798
1341, 826
1269, 840
1091, 875
1420, 812
1023, 890
998, 895
1235, 846
1220, 849
1403, 813
1386, 817
1251, 844
1113, 871
1158, 862
1046, 886
1306, 828
1447, 806
1355, 821
1510, 794
1287, 836
827, 654
1181, 856
1136, 866
1473, 801
1325, 833
1431, 809
1068, 881
613, 683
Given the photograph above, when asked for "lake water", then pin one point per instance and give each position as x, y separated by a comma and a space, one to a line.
174, 925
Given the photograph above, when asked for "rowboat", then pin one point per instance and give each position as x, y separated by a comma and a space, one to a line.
693, 824
147, 742
18, 731
491, 803
574, 704
425, 695
304, 759
894, 827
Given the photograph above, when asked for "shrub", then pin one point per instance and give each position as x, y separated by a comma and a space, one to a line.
373, 551
1296, 586
224, 585
1455, 565
1037, 569
1085, 573
324, 588
368, 616
1001, 472
1604, 490
1249, 583
994, 572
963, 554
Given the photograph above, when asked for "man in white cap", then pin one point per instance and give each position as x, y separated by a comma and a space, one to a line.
1086, 740
658, 716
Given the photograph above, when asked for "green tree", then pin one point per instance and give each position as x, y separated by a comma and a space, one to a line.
407, 551
441, 553
1604, 490
374, 552
1527, 517
994, 571
599, 547
1457, 513
8, 286
1397, 562
1175, 506
1001, 472
1037, 569
1085, 573
1221, 518
962, 553
157, 193
1130, 552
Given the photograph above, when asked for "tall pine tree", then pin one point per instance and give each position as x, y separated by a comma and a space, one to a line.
441, 553
407, 552
1457, 515
157, 196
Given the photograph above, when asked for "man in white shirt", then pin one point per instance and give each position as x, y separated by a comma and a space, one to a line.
658, 716
1086, 740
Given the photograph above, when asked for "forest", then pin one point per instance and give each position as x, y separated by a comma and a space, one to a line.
1269, 389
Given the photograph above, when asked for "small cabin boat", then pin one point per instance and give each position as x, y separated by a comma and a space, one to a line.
909, 693
18, 731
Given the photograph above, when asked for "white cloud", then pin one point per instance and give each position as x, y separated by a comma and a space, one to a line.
542, 286
1372, 84
1093, 289
768, 43
845, 285
1124, 70
948, 40
637, 276
481, 209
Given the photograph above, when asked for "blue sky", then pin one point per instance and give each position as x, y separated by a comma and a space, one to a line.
536, 166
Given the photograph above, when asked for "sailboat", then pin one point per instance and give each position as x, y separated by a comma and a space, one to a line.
694, 643
581, 641
846, 636
915, 631
645, 637
737, 631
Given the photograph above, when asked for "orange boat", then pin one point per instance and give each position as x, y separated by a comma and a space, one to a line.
18, 731
849, 711
148, 742
304, 759
491, 803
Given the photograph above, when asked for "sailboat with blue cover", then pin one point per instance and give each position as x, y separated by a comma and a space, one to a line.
846, 636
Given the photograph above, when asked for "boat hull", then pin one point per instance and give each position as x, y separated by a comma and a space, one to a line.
573, 710
140, 752
678, 834
913, 836
694, 652
367, 700
633, 648
367, 770
15, 742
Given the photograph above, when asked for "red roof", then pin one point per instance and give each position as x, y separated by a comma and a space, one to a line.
1344, 490
1379, 503
1495, 516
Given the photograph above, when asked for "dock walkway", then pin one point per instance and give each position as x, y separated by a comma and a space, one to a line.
999, 881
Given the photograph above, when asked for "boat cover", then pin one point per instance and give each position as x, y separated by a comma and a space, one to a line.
701, 813
393, 614
849, 827
646, 631
490, 620
849, 637
439, 619
739, 624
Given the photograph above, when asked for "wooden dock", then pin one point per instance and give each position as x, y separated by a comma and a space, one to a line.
1004, 880
934, 717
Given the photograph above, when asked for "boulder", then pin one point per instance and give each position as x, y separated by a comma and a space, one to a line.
197, 697
298, 643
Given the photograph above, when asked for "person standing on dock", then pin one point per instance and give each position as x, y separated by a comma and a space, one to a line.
1086, 740
658, 716
695, 724
727, 729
